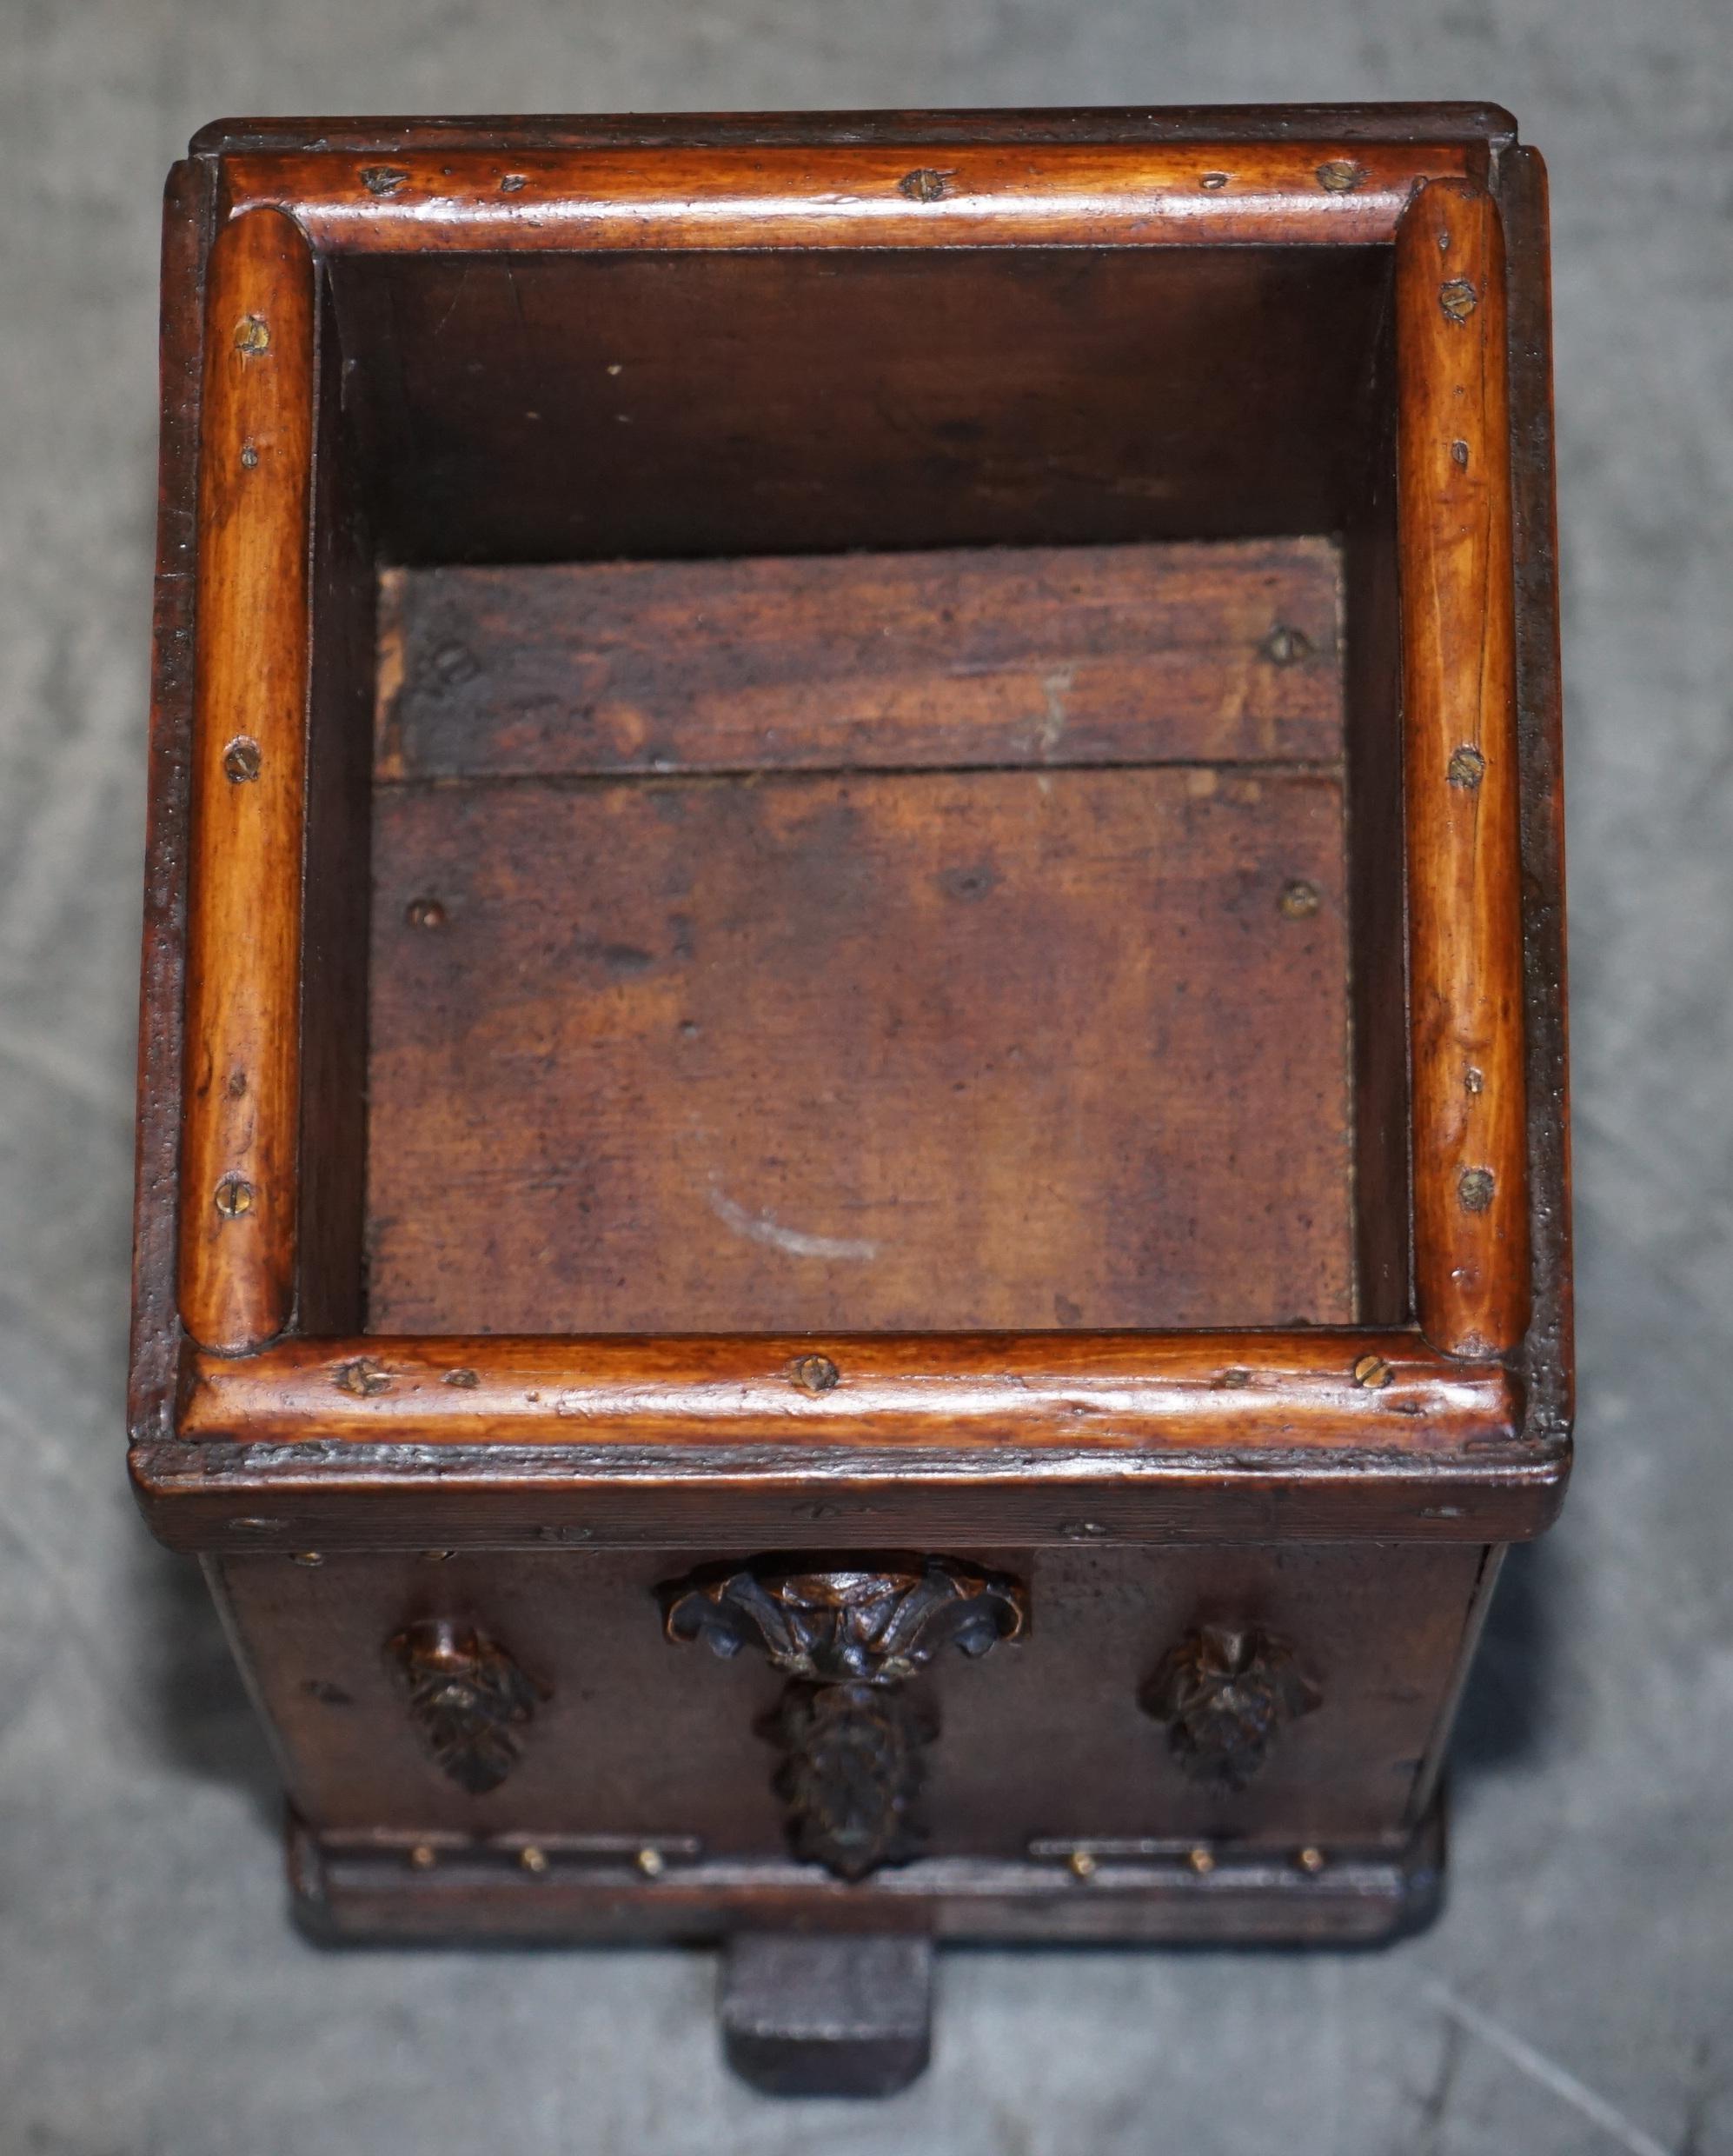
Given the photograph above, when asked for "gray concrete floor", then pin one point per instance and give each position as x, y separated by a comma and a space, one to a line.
1576, 1995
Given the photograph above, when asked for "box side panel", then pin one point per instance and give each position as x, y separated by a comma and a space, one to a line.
1549, 1352
633, 1740
155, 1327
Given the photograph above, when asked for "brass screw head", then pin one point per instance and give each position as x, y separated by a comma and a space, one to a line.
1340, 176
306, 1557
383, 179
1214, 181
1474, 1189
424, 912
465, 1380
1298, 901
532, 1859
242, 760
651, 1862
923, 184
815, 1373
363, 1377
1202, 1860
234, 1196
1081, 1865
1372, 1372
1467, 767
1311, 1859
423, 1857
252, 334
1286, 645
1459, 298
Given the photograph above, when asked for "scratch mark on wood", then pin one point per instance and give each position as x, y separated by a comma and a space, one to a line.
761, 1227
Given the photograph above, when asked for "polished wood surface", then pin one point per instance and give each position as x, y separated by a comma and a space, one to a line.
1332, 1390
861, 195
243, 984
1471, 1198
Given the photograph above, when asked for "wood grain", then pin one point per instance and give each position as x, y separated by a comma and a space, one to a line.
1297, 1392
1002, 657
560, 408
925, 1051
244, 990
1280, 194
1470, 1197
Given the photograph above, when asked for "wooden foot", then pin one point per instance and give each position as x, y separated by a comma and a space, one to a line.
806, 2015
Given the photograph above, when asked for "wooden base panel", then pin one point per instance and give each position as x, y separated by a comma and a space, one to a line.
440, 1890
827, 2017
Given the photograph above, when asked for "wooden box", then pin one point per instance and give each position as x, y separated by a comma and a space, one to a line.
855, 957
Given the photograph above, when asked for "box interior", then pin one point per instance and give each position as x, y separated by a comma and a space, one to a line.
855, 791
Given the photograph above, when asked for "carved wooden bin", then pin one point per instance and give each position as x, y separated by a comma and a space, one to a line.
852, 1218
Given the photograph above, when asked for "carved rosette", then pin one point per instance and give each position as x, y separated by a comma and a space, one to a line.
853, 1739
468, 1700
1226, 1692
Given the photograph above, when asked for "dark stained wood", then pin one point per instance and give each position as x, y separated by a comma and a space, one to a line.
239, 1164
633, 1736
318, 1496
1013, 656
822, 402
1377, 896
1460, 774
849, 194
934, 1052
332, 1163
1475, 128
1550, 1350
154, 1371
804, 2015
351, 1888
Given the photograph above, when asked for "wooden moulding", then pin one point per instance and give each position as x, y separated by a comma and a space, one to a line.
1395, 1431
1470, 1195
366, 1887
1208, 1392
377, 1443
1281, 193
238, 1175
